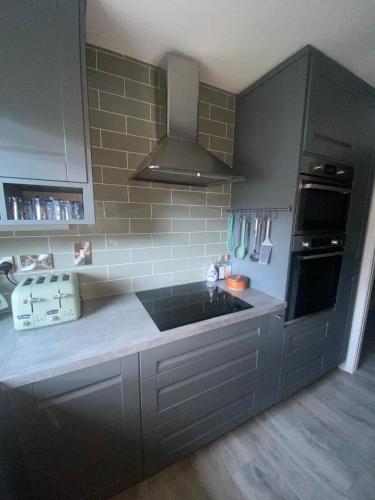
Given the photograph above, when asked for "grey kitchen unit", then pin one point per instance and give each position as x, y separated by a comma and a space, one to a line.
196, 389
79, 433
333, 110
305, 348
95, 431
44, 140
308, 105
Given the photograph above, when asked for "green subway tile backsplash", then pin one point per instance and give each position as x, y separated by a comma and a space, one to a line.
146, 235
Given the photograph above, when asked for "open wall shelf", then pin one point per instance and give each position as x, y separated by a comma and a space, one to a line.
29, 203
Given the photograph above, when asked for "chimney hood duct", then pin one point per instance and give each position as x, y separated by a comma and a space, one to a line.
178, 158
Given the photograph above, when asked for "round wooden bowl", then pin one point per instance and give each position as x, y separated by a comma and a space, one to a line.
237, 282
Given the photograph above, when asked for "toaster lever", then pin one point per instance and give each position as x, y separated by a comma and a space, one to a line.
60, 295
30, 300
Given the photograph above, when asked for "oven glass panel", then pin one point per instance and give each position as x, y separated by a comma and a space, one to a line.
321, 210
313, 284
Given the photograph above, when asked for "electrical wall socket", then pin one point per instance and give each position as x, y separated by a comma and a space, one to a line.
8, 259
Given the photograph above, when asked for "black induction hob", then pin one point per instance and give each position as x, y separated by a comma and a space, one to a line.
180, 305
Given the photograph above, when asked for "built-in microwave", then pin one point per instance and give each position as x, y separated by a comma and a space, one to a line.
324, 192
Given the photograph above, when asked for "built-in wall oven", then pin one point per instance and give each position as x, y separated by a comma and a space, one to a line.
323, 196
319, 236
314, 274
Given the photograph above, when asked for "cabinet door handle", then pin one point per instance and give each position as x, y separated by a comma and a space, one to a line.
322, 187
278, 316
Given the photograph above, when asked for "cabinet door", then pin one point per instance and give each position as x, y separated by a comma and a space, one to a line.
79, 434
304, 349
355, 239
272, 363
41, 95
333, 111
197, 389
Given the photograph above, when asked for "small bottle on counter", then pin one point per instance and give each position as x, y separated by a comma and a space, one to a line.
228, 266
212, 274
221, 267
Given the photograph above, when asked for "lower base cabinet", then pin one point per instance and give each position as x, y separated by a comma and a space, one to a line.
196, 389
91, 433
79, 433
306, 343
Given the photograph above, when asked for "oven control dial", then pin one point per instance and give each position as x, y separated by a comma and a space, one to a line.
306, 244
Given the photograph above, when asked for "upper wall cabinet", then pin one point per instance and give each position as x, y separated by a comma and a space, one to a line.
333, 111
45, 164
42, 133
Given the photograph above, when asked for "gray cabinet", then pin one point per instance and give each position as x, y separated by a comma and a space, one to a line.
267, 142
42, 89
307, 104
44, 139
79, 433
194, 390
333, 112
304, 350
272, 363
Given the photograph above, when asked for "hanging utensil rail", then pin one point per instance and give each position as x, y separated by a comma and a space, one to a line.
259, 211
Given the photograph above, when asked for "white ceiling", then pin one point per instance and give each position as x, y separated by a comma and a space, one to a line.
237, 41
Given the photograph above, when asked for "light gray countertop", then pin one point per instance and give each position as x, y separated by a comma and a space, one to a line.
110, 327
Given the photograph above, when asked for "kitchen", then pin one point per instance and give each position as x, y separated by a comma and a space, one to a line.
129, 179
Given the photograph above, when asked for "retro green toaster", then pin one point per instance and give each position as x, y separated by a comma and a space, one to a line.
46, 299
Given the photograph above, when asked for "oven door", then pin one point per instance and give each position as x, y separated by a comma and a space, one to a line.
322, 207
313, 282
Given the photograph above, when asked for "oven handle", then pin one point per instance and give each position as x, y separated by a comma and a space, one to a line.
320, 255
323, 187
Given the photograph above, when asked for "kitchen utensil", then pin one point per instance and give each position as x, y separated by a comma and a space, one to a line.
237, 282
254, 256
265, 251
230, 235
241, 249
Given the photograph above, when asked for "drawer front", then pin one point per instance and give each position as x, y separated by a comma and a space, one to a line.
167, 357
76, 380
303, 353
167, 444
176, 406
203, 374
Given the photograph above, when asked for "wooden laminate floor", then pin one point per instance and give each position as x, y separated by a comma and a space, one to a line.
318, 444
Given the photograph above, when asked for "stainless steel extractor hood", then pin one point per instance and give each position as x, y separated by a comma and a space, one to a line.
178, 158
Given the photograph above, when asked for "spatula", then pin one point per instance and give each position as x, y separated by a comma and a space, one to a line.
241, 249
266, 248
230, 235
254, 256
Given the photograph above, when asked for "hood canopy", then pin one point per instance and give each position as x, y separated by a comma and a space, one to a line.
178, 158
